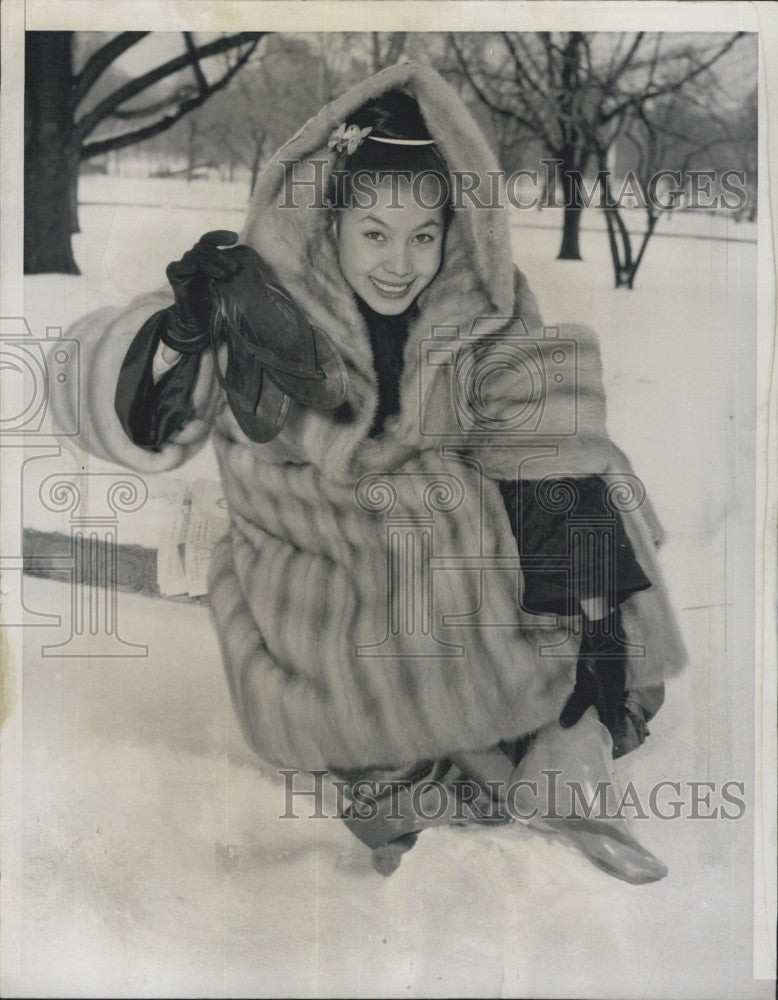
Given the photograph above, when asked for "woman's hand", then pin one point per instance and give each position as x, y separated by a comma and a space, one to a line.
187, 329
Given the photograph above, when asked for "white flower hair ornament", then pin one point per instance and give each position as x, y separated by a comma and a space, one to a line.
348, 137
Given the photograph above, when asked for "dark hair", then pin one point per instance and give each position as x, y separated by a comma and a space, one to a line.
393, 115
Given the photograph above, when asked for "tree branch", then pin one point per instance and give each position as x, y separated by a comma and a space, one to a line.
630, 55
101, 146
99, 62
396, 45
468, 75
181, 95
86, 125
202, 83
511, 114
661, 90
520, 67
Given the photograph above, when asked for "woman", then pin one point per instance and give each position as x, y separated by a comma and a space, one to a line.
368, 594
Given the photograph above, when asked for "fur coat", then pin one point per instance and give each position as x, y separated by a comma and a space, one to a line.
366, 596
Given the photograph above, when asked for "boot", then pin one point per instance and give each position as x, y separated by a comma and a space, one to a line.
601, 675
386, 859
445, 794
581, 756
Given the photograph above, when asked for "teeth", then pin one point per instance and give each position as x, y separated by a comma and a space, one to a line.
390, 288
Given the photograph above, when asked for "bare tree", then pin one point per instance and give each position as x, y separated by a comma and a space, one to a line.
373, 50
676, 134
263, 106
576, 91
386, 48
59, 134
743, 150
272, 97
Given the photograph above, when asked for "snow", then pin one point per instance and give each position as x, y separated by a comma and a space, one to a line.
154, 859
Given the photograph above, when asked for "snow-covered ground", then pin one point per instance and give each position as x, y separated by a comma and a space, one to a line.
154, 859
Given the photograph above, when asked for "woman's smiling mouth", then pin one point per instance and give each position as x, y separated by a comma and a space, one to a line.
390, 290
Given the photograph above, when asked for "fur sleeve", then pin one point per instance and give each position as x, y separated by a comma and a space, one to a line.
655, 527
531, 403
525, 304
105, 336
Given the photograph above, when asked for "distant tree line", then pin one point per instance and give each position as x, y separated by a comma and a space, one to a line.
600, 104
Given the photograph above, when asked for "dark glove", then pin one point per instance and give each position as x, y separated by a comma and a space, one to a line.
601, 681
188, 322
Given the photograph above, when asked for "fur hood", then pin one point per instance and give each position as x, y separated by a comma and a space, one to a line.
298, 244
477, 281
304, 588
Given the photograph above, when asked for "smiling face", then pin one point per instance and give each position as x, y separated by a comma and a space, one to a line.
391, 251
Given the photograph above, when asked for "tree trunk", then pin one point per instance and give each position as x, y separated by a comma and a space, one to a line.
572, 152
256, 160
754, 203
50, 158
571, 225
621, 248
571, 228
651, 219
73, 196
254, 173
191, 149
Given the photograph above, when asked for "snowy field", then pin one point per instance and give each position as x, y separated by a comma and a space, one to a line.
154, 861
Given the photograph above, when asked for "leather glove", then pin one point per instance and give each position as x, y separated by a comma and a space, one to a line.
601, 680
188, 323
601, 671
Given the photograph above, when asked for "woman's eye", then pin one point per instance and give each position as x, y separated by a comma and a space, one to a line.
373, 234
425, 238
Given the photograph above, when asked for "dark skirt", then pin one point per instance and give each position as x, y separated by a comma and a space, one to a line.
572, 544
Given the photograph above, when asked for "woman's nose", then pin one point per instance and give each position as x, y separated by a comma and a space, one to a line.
398, 262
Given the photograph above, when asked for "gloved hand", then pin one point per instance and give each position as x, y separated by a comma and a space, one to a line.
602, 684
601, 680
187, 326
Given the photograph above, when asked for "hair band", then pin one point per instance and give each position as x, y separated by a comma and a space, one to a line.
348, 138
402, 142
